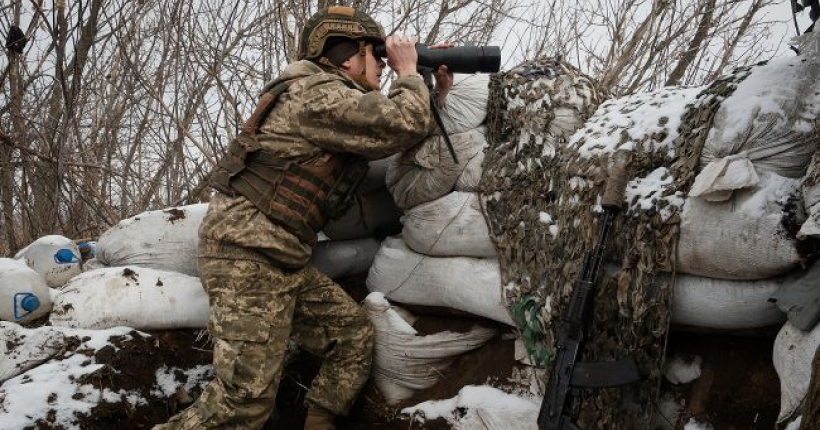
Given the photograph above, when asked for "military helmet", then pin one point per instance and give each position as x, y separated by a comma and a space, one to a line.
336, 21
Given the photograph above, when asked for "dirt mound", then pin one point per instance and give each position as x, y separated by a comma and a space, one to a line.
738, 388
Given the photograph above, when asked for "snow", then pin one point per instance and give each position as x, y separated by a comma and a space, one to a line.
693, 424
53, 385
652, 118
480, 407
644, 193
680, 371
766, 94
168, 385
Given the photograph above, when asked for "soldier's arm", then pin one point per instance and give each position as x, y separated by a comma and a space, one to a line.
342, 119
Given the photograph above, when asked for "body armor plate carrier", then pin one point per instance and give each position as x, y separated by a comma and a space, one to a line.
297, 194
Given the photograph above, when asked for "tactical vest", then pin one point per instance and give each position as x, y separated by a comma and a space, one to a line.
300, 194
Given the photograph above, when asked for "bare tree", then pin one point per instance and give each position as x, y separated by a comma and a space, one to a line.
117, 106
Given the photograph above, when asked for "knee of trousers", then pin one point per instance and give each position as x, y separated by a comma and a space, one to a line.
365, 333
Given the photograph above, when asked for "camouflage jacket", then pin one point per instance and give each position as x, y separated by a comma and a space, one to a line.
322, 112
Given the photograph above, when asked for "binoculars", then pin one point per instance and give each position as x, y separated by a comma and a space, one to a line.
458, 59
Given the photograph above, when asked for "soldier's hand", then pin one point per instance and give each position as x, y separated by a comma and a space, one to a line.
401, 54
444, 77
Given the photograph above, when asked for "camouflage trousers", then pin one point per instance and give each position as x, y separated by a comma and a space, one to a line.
255, 309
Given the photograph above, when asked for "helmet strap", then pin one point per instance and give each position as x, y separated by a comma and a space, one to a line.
361, 78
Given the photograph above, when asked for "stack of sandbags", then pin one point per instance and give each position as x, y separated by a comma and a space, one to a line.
739, 223
445, 256
444, 244
744, 219
428, 171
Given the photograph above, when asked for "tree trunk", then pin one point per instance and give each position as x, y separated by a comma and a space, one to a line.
691, 54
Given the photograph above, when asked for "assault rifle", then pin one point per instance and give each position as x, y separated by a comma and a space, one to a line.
568, 375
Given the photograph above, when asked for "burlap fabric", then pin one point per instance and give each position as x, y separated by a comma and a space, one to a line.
539, 195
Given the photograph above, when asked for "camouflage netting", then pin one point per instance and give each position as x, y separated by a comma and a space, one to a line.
539, 189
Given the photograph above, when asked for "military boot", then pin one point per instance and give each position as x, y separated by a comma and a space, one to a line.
319, 419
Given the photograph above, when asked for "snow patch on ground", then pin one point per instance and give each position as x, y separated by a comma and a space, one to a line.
168, 384
53, 386
680, 371
480, 407
693, 424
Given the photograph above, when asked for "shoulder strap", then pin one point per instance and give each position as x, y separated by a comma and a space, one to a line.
266, 102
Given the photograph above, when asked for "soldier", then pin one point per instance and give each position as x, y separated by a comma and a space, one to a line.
295, 165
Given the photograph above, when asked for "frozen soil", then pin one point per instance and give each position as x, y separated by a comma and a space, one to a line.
738, 388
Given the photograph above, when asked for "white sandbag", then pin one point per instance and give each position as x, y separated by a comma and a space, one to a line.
22, 349
93, 264
373, 214
164, 239
723, 304
466, 105
793, 353
24, 295
56, 258
470, 178
428, 171
472, 285
450, 226
766, 124
146, 299
743, 237
337, 259
404, 362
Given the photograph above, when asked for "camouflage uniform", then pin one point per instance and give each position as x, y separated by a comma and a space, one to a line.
256, 305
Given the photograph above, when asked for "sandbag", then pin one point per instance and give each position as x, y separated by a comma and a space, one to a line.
450, 226
56, 258
337, 259
466, 105
470, 178
743, 237
767, 124
373, 214
162, 239
404, 362
800, 298
723, 304
22, 349
472, 285
794, 351
24, 295
132, 296
427, 171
